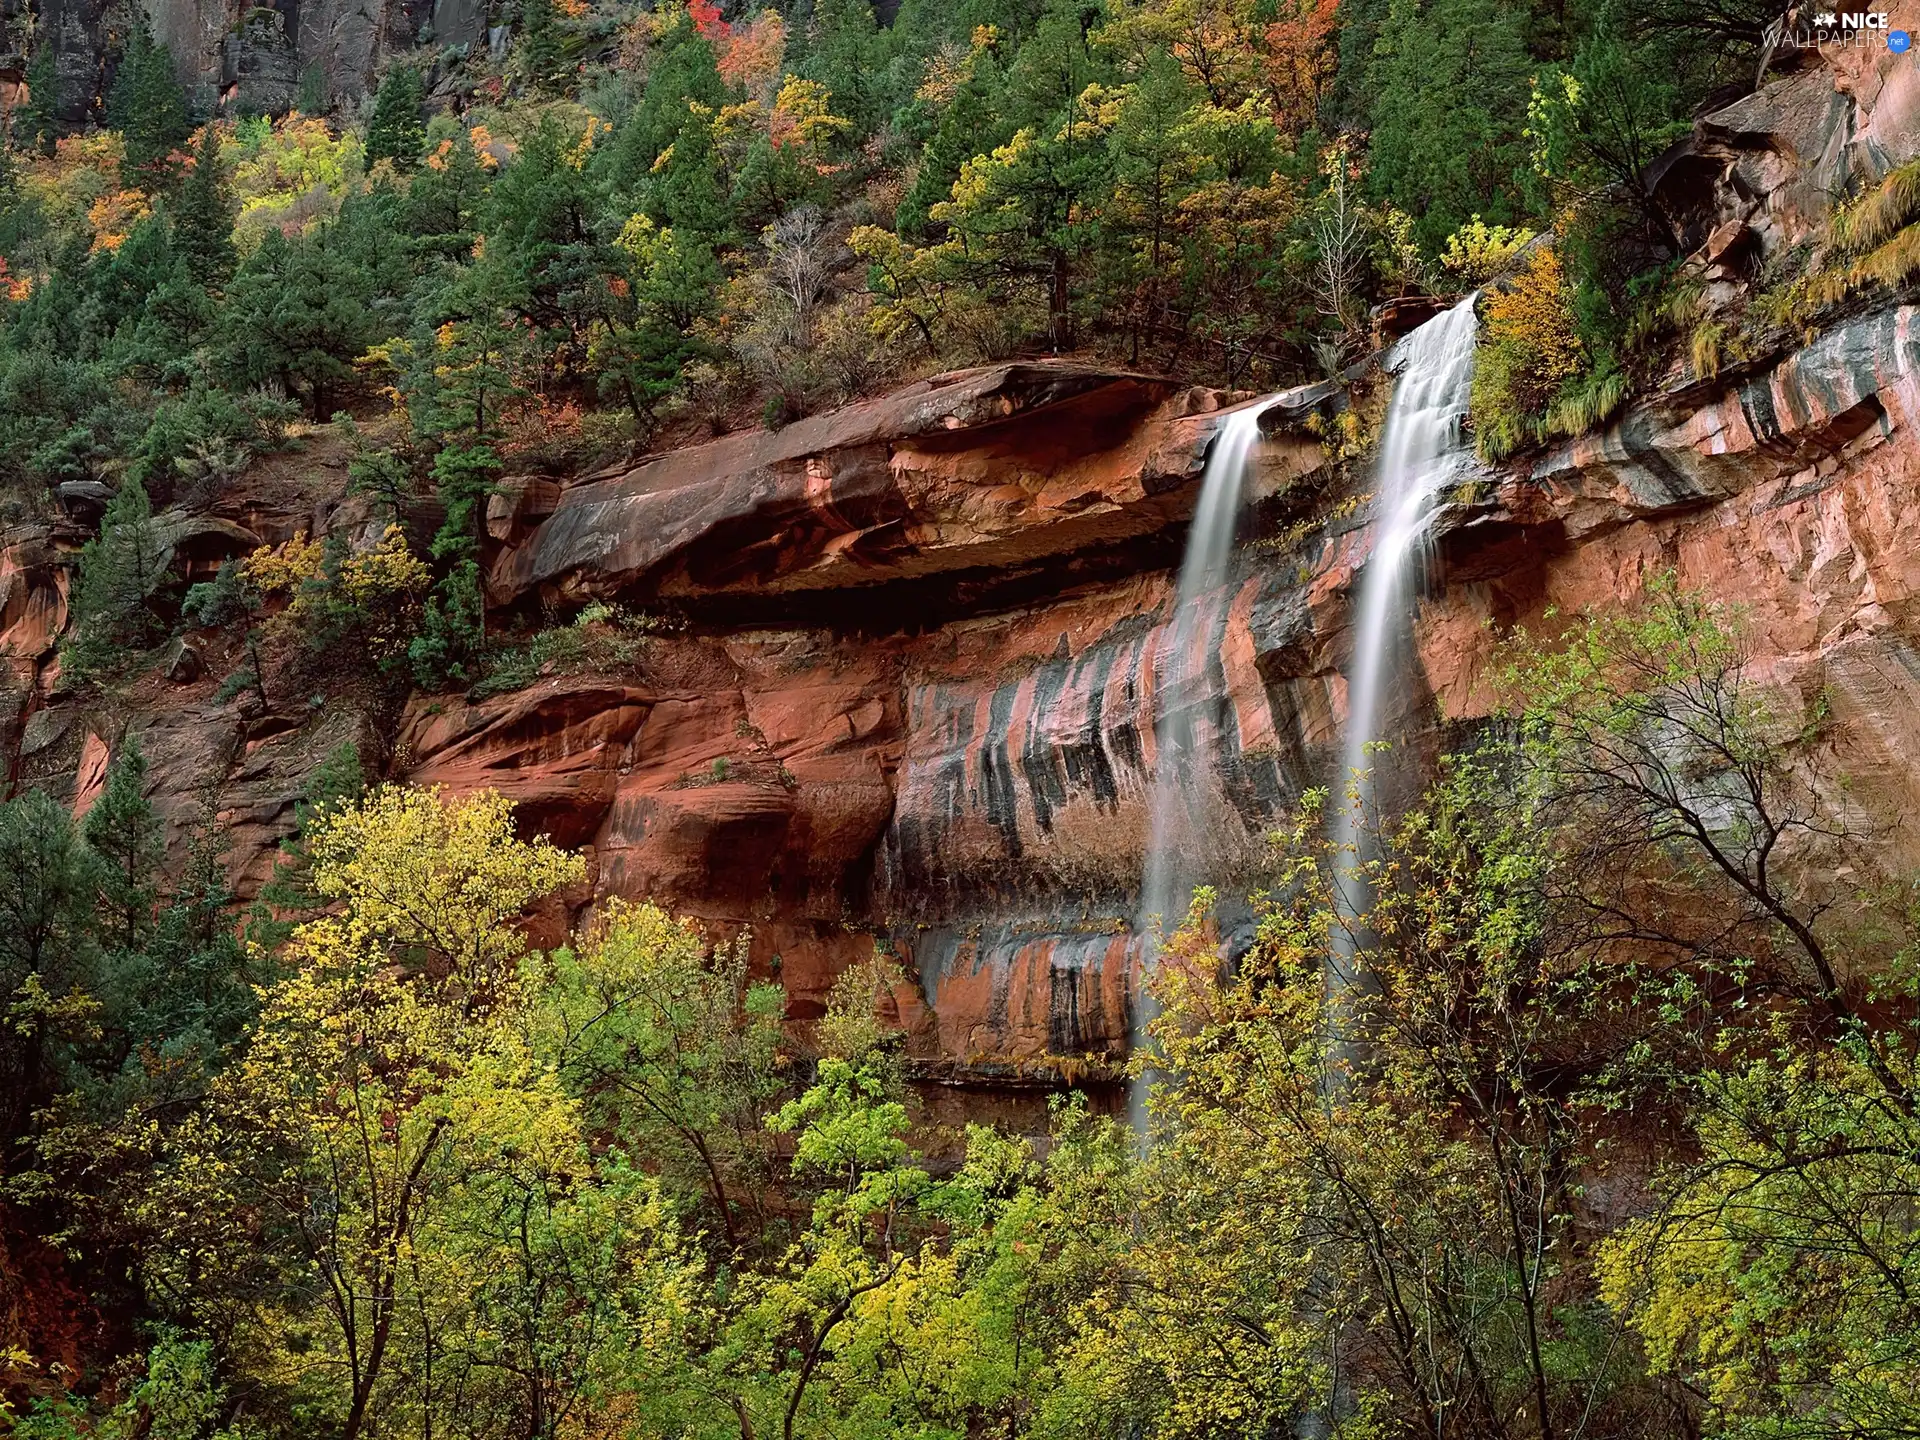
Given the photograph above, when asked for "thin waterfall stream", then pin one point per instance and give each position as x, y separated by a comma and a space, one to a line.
1421, 450
1184, 741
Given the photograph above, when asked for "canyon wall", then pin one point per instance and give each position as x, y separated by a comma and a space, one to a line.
251, 57
912, 693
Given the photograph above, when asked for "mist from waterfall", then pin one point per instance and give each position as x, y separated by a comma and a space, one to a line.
1184, 738
1421, 450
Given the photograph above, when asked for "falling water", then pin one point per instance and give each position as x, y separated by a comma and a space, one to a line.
1421, 450
1183, 736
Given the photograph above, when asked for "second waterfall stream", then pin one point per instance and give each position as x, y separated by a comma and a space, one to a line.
1421, 448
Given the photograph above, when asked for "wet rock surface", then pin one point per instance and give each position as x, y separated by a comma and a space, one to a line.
916, 690
967, 789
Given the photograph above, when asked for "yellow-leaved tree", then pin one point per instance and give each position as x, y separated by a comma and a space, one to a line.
425, 1226
437, 879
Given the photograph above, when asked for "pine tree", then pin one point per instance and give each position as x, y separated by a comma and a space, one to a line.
203, 217
844, 54
119, 569
539, 51
395, 133
312, 99
45, 952
122, 830
1450, 105
684, 74
973, 123
147, 106
40, 120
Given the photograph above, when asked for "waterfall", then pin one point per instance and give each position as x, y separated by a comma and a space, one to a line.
1420, 451
1183, 737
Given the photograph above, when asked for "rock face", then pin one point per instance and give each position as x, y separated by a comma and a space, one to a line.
922, 660
915, 701
248, 56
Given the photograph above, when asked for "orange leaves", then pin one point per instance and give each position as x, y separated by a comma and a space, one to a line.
708, 20
1300, 60
751, 58
14, 287
491, 150
1536, 318
113, 215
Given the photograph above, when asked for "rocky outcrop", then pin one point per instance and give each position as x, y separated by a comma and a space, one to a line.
250, 57
1764, 171
957, 486
915, 688
857, 738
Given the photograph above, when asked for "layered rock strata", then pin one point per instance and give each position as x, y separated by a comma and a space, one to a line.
916, 669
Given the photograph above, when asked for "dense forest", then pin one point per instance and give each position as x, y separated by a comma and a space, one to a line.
1620, 1137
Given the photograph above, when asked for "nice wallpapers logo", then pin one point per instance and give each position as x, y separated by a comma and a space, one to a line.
1845, 29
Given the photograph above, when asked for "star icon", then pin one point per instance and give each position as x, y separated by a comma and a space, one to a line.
1825, 20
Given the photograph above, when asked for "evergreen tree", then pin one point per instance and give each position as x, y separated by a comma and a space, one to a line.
119, 569
539, 49
843, 53
443, 205
395, 132
203, 217
1601, 124
1450, 86
39, 120
45, 950
339, 780
298, 312
121, 830
973, 123
147, 106
454, 628
686, 192
190, 989
312, 99
684, 74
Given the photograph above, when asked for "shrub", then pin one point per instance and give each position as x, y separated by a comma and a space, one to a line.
369, 598
1531, 350
1477, 251
601, 637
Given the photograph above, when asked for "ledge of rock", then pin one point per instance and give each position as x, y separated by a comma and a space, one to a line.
983, 470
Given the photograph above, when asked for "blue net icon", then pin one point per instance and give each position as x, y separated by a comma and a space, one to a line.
1898, 41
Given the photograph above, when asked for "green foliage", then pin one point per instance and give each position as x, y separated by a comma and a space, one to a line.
1450, 84
120, 828
537, 48
147, 106
599, 639
203, 218
119, 569
46, 950
1477, 251
299, 312
408, 1175
679, 1049
39, 122
395, 132
312, 97
1602, 122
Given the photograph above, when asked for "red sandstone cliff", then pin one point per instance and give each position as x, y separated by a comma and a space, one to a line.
915, 700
